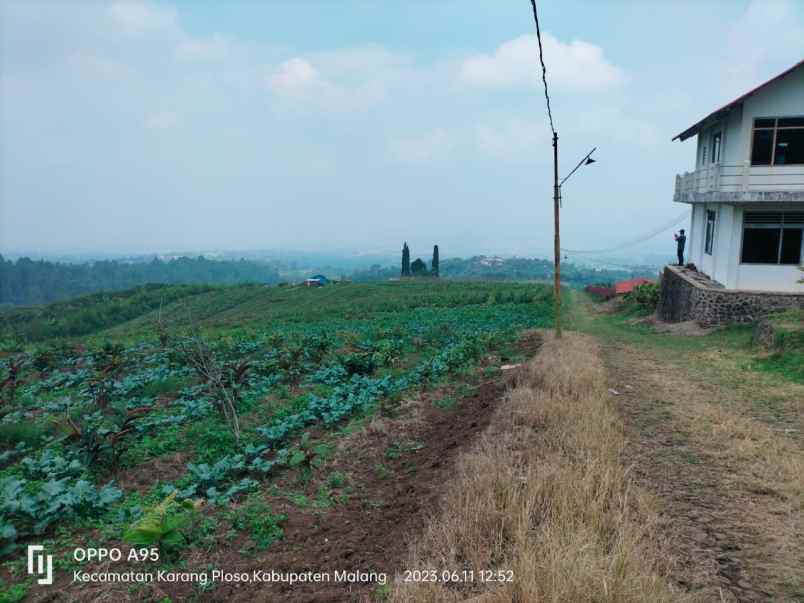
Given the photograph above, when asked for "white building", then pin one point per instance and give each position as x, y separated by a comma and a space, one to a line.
747, 190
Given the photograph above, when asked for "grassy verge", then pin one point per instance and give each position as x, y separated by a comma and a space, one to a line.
785, 341
727, 359
544, 500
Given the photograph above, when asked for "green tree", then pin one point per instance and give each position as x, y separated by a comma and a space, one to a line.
418, 268
405, 260
434, 265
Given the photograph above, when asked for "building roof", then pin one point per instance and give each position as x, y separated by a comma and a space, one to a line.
696, 127
629, 285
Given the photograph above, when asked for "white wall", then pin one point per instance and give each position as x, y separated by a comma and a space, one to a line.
695, 240
726, 248
769, 278
723, 265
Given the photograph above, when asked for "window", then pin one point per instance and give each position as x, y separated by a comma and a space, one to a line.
778, 141
772, 237
710, 231
716, 147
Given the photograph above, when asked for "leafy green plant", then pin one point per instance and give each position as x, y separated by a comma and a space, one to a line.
336, 479
32, 506
163, 525
257, 518
99, 437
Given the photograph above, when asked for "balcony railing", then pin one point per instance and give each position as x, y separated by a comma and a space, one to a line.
741, 178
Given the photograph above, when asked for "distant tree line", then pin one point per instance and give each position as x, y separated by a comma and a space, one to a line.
504, 269
419, 266
35, 282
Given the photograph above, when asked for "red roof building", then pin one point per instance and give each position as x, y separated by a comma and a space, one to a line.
624, 287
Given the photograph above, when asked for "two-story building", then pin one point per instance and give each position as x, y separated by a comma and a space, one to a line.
747, 190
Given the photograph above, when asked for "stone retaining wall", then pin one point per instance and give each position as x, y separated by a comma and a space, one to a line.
684, 299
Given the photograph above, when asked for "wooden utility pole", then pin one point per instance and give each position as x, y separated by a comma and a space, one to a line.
557, 238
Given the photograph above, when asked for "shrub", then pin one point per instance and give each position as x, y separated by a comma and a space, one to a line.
645, 296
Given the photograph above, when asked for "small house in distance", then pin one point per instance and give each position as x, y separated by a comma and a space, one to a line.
319, 280
603, 292
623, 287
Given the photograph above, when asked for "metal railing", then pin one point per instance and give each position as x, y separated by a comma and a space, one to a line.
741, 178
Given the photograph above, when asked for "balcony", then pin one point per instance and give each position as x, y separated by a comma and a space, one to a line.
740, 183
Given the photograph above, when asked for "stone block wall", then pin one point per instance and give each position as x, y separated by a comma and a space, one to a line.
682, 298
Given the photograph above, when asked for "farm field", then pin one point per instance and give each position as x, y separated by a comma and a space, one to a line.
243, 427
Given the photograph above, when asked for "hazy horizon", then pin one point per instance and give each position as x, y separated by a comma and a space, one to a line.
158, 127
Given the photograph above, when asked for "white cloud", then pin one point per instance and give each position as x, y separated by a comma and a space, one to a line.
163, 120
576, 65
294, 77
210, 49
140, 17
423, 148
329, 83
512, 140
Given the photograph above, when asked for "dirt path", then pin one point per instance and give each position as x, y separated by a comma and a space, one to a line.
728, 486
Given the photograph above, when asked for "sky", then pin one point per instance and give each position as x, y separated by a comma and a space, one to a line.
148, 126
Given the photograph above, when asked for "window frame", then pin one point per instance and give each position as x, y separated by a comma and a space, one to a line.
709, 234
775, 129
781, 226
717, 137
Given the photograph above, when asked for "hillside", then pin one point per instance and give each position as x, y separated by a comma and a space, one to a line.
429, 440
243, 398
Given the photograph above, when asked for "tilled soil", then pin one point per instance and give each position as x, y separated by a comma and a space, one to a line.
368, 531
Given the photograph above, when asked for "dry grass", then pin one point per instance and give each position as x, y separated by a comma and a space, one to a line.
545, 494
757, 449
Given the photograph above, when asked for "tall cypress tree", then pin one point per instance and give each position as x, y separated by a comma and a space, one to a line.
434, 266
405, 260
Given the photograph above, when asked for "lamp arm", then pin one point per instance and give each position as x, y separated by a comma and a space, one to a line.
580, 163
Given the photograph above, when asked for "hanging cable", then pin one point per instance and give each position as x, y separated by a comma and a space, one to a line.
633, 242
544, 67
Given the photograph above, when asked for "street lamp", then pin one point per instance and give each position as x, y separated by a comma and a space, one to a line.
587, 160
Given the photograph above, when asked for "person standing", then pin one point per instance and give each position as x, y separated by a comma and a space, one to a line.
681, 240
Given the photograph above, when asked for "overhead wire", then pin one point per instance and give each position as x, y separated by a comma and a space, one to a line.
633, 242
544, 67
